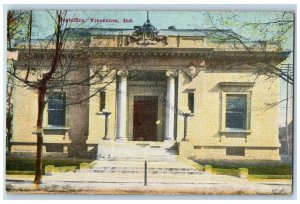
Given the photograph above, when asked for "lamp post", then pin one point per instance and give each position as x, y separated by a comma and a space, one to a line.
106, 114
185, 115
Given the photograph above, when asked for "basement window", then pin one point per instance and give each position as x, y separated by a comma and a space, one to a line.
235, 151
54, 148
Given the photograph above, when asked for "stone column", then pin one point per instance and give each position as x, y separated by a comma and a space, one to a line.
122, 106
170, 106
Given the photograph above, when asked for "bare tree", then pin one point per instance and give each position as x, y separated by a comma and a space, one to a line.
272, 32
16, 21
54, 63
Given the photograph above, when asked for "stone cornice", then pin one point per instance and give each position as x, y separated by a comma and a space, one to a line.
177, 52
155, 49
258, 54
142, 51
188, 52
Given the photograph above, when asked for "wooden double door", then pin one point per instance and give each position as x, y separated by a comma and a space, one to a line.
144, 118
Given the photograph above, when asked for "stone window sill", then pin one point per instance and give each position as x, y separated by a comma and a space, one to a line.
236, 131
56, 128
66, 129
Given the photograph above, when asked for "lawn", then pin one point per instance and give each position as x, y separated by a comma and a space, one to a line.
28, 164
254, 167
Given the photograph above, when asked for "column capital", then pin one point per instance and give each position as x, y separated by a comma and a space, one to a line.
171, 73
122, 73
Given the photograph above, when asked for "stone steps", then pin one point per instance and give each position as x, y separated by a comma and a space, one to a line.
137, 167
161, 164
130, 170
143, 158
141, 168
138, 151
126, 162
142, 172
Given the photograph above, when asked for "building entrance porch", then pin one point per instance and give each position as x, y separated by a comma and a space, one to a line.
145, 117
146, 105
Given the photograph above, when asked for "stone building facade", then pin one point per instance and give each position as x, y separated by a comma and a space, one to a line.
173, 86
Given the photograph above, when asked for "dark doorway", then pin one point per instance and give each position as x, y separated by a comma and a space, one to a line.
144, 118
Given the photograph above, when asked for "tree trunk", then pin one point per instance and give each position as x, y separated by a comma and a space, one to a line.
8, 130
41, 106
9, 116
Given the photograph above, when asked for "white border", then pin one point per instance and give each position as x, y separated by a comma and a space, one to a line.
134, 5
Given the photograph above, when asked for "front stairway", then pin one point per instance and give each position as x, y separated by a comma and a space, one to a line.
138, 151
125, 163
138, 167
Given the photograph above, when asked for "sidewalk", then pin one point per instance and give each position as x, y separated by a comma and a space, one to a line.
205, 184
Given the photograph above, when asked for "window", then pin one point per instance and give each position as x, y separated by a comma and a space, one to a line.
235, 108
102, 100
57, 109
191, 101
236, 111
235, 151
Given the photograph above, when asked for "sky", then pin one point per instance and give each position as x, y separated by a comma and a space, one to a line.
164, 19
181, 20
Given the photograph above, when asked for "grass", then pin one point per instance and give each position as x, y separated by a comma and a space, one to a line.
14, 164
230, 172
254, 167
9, 172
270, 176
